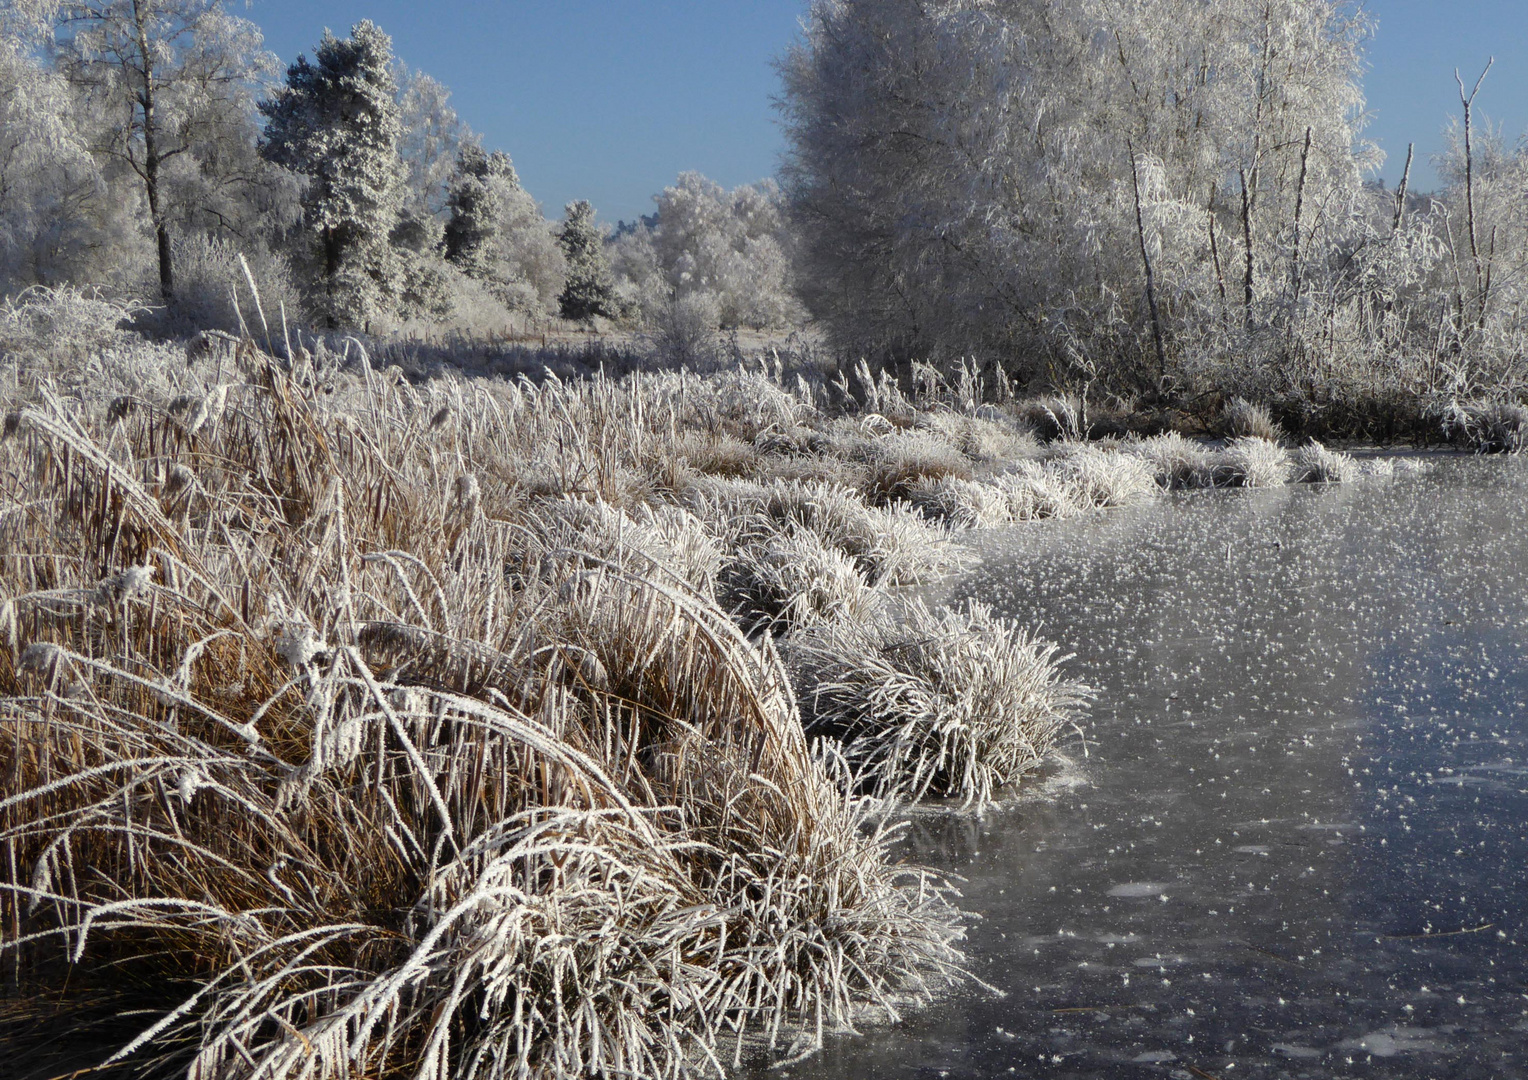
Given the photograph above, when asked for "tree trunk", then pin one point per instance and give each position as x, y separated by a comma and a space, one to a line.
1246, 216
1151, 282
1400, 194
1295, 281
331, 271
161, 229
151, 158
1220, 277
1481, 288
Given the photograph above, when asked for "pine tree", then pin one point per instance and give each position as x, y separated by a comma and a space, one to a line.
476, 205
589, 290
496, 233
337, 122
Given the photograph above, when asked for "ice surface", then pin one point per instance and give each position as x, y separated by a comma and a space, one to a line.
1310, 738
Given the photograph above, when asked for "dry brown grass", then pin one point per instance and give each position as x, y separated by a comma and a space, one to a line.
341, 747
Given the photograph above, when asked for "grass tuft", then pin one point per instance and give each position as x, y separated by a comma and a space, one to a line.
1244, 420
366, 729
1252, 461
1315, 464
936, 703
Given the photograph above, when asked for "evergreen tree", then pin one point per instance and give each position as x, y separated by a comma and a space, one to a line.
496, 233
589, 290
337, 122
476, 205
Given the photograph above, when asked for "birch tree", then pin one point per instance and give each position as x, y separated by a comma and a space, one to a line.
734, 249
165, 80
53, 212
1029, 179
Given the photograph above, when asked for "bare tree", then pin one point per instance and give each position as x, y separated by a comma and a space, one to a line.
1482, 273
167, 77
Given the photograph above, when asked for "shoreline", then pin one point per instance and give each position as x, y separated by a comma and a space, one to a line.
667, 605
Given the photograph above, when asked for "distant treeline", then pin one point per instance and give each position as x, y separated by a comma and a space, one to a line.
1158, 200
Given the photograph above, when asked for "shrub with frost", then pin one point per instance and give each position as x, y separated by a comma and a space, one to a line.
685, 331
935, 703
209, 279
56, 327
1052, 418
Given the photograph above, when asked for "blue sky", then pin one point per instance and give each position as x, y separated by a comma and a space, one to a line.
609, 100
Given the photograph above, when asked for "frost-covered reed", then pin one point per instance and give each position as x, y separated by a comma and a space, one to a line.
364, 729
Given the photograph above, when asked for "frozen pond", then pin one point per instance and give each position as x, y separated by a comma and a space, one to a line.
1297, 845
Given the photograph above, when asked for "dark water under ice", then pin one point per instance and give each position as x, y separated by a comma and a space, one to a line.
1298, 843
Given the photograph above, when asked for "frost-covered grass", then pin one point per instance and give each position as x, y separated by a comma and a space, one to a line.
363, 729
1175, 462
1077, 479
1243, 420
1244, 461
1498, 428
1252, 461
1315, 464
935, 703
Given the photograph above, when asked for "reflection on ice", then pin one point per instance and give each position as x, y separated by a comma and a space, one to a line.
1297, 844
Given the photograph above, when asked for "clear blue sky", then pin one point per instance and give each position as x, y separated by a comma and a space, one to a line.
609, 100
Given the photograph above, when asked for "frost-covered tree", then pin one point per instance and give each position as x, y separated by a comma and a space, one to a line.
336, 122
474, 200
55, 217
729, 246
1068, 182
589, 290
169, 86
496, 233
432, 136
